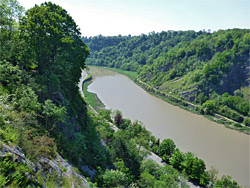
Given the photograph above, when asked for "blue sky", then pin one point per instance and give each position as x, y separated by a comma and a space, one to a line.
114, 17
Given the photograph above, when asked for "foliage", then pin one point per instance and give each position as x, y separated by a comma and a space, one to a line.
118, 119
212, 175
113, 178
166, 147
155, 176
226, 181
53, 114
60, 38
177, 159
37, 146
246, 121
13, 173
127, 151
209, 107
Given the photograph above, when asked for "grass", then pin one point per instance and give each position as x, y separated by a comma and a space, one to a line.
130, 74
92, 98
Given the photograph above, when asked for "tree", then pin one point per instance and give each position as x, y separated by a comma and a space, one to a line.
238, 93
10, 13
150, 167
212, 175
226, 182
54, 41
177, 158
198, 168
118, 119
188, 163
146, 180
167, 148
53, 114
122, 168
209, 107
126, 150
113, 178
246, 121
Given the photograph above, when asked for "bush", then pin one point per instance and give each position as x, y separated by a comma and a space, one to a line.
113, 178
38, 146
12, 173
226, 181
246, 121
177, 159
209, 107
166, 148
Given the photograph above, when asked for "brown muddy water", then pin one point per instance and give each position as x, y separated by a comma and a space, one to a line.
227, 150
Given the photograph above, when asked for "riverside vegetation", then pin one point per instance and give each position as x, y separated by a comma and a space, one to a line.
42, 115
208, 70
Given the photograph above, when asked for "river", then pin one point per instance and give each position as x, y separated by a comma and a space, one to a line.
225, 149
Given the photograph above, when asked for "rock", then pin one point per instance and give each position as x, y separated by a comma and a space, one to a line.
90, 172
58, 165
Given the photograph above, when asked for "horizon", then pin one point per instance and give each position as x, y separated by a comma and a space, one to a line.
129, 17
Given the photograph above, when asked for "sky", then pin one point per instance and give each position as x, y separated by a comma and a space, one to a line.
134, 17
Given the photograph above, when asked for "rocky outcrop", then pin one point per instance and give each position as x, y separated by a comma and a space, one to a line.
58, 166
189, 95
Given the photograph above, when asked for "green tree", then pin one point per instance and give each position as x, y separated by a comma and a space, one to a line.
150, 167
177, 158
122, 168
126, 149
212, 175
53, 114
54, 40
198, 168
226, 182
113, 178
118, 119
10, 13
167, 147
246, 121
209, 107
146, 180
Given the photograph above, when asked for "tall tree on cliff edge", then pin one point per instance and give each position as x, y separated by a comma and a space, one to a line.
54, 45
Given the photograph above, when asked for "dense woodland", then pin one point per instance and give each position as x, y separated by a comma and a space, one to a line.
210, 70
43, 113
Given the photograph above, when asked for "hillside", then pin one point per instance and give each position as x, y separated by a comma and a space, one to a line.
210, 70
42, 115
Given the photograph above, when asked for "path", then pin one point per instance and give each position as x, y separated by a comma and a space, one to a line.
83, 77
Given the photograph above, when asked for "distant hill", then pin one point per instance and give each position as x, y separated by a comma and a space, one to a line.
209, 69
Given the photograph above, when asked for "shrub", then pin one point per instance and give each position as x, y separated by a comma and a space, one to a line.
38, 146
167, 148
246, 121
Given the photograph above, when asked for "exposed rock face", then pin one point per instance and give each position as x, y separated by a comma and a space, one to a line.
58, 166
189, 95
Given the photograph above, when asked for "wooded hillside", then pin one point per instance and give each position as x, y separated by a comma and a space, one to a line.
208, 69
